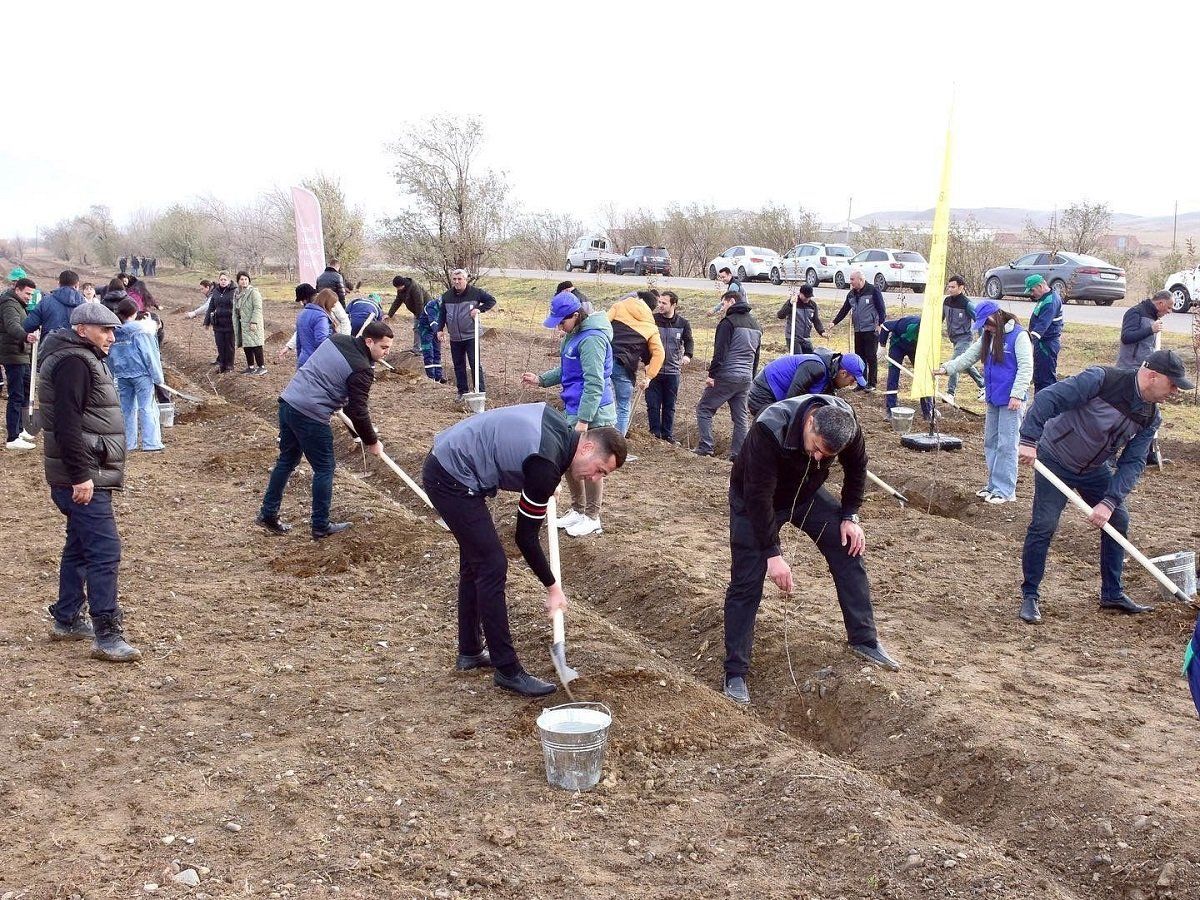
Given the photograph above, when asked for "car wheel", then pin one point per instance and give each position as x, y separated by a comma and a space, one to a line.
993, 289
811, 279
570, 268
775, 279
1181, 300
918, 288
741, 273
712, 272
880, 282
838, 281
1060, 287
1106, 302
589, 266
638, 270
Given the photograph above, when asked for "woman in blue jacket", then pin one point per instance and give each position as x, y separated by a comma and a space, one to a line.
137, 367
314, 324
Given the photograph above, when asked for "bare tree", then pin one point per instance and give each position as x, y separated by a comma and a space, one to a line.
344, 227
456, 213
1079, 229
248, 235
541, 240
695, 234
776, 227
183, 235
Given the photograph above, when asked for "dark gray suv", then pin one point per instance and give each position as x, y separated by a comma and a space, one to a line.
644, 261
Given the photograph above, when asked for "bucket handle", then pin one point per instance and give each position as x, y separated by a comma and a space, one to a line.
581, 704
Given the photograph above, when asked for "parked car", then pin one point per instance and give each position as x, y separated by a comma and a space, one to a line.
887, 267
748, 262
814, 263
1183, 286
592, 252
644, 261
1074, 276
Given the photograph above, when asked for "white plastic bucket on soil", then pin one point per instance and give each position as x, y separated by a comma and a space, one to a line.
1181, 569
573, 739
902, 419
475, 400
166, 415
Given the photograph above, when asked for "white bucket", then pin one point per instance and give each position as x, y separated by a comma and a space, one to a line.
475, 400
166, 415
902, 419
573, 739
1181, 569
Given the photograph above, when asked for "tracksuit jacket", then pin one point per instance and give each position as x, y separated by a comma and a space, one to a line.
737, 345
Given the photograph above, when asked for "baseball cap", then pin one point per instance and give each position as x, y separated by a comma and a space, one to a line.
983, 311
853, 363
1033, 280
1167, 362
564, 304
94, 314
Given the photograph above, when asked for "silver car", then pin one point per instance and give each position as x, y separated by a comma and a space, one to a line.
1074, 276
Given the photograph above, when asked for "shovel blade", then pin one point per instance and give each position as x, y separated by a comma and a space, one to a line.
558, 656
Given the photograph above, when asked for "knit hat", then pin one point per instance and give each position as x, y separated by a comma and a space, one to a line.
1032, 281
94, 314
305, 292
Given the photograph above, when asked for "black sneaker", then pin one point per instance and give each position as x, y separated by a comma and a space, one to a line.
524, 684
272, 524
468, 661
78, 630
735, 689
1029, 611
331, 528
874, 653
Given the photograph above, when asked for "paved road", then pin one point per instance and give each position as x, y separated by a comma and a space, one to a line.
1087, 315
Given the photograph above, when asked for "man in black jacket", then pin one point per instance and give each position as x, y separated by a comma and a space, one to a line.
412, 297
84, 452
867, 310
332, 278
1140, 327
676, 334
734, 364
461, 306
778, 478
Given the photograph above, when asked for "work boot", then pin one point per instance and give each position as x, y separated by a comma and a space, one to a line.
523, 683
110, 643
328, 529
467, 661
874, 653
80, 629
1126, 605
735, 689
272, 524
1030, 612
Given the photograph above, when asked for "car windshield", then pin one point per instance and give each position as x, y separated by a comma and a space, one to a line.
1085, 260
764, 251
836, 250
909, 256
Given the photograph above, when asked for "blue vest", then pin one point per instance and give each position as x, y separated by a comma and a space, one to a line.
779, 374
999, 377
572, 371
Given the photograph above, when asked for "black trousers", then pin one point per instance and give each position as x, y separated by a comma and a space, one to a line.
463, 355
225, 348
482, 567
661, 394
254, 356
821, 519
866, 345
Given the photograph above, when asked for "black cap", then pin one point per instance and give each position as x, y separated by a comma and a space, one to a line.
1167, 362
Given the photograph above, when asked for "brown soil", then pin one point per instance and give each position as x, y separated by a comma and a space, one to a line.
305, 692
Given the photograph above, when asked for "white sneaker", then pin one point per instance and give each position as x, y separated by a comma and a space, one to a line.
983, 493
996, 499
571, 518
19, 444
26, 436
585, 526
982, 395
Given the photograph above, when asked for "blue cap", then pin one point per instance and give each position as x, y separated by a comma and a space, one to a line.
563, 305
983, 311
853, 363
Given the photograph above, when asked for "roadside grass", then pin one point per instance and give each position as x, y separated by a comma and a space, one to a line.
522, 305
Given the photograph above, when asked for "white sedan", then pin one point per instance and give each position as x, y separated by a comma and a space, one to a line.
889, 268
748, 262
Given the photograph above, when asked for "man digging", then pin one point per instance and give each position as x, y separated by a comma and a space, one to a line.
778, 478
526, 449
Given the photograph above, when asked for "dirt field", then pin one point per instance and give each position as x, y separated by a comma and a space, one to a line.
295, 728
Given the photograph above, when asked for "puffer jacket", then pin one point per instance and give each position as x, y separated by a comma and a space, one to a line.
332, 278
220, 307
737, 345
248, 308
54, 312
313, 327
635, 337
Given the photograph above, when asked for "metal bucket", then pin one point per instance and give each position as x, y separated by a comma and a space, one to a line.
475, 400
902, 419
573, 738
1181, 569
166, 415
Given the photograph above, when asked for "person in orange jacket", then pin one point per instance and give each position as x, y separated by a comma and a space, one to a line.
635, 339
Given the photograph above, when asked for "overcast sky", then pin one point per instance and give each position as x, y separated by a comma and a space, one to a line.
138, 105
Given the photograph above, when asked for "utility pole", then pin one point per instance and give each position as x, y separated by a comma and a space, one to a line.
1175, 226
849, 209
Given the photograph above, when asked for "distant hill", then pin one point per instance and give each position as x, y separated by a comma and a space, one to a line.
1004, 218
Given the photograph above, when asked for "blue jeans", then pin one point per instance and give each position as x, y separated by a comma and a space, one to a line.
893, 385
1048, 503
660, 405
301, 436
960, 347
463, 354
623, 388
17, 376
1001, 434
140, 412
91, 556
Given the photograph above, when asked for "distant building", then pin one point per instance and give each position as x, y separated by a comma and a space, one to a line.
1121, 243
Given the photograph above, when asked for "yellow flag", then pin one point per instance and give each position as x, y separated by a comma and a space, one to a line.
929, 342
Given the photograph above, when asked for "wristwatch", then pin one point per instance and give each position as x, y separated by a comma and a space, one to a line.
852, 518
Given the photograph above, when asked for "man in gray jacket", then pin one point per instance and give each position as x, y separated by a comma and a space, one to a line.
958, 312
730, 374
867, 310
461, 305
1140, 327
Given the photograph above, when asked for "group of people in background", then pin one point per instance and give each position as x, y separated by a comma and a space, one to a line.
138, 266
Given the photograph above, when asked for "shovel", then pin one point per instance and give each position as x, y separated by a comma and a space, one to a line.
476, 400
180, 394
29, 422
558, 649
